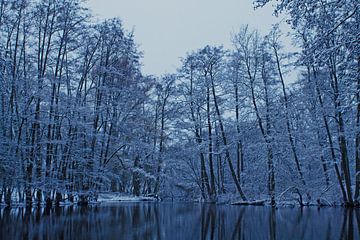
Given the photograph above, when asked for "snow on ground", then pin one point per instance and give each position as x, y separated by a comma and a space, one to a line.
116, 197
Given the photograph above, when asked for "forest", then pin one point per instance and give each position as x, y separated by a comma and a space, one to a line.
78, 117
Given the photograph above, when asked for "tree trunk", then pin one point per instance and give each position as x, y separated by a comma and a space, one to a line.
288, 127
268, 141
329, 136
136, 177
357, 138
341, 133
212, 192
161, 149
197, 130
227, 152
239, 144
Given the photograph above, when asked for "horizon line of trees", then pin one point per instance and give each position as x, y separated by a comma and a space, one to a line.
78, 117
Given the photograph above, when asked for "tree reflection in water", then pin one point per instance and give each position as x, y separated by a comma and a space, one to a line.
178, 221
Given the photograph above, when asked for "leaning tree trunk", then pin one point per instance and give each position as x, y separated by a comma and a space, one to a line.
224, 138
266, 137
329, 137
287, 118
341, 133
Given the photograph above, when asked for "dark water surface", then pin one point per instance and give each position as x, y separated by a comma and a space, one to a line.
178, 221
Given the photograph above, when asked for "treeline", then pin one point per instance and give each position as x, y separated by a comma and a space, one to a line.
280, 141
78, 117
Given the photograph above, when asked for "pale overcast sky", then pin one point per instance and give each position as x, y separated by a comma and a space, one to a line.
167, 29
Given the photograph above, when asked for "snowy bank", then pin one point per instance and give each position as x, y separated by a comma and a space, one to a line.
116, 197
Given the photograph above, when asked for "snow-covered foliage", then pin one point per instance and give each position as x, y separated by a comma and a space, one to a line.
78, 117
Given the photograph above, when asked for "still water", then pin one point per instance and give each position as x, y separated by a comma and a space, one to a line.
178, 221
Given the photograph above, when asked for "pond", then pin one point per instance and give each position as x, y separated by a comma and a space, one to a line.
152, 220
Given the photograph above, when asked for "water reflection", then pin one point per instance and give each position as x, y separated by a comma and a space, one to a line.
178, 221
